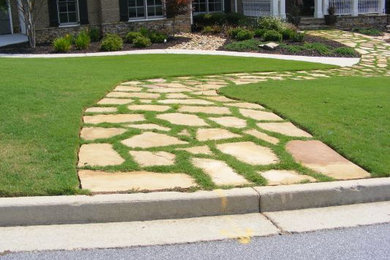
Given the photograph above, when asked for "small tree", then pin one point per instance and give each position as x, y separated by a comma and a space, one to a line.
30, 10
175, 8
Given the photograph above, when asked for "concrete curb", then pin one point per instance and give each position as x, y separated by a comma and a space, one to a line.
126, 207
338, 61
173, 205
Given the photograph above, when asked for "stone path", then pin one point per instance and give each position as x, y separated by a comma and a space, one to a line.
179, 134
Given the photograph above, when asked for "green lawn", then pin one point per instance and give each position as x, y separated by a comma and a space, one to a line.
42, 101
352, 115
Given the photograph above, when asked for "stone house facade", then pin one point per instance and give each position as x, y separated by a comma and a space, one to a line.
59, 17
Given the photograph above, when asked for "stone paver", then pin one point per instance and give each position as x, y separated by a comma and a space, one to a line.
321, 158
260, 115
285, 128
114, 118
150, 139
200, 108
145, 158
220, 172
205, 134
98, 155
100, 181
92, 133
249, 152
284, 177
229, 121
183, 119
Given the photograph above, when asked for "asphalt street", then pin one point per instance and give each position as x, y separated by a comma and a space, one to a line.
365, 242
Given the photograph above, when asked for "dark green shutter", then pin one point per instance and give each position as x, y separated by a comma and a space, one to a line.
83, 9
53, 13
124, 10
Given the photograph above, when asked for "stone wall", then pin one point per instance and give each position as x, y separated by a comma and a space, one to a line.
364, 21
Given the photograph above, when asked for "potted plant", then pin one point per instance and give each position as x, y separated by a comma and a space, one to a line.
331, 18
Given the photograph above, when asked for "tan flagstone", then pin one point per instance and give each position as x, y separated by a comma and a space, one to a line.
115, 101
249, 152
262, 136
206, 109
99, 181
132, 95
184, 132
221, 99
229, 121
145, 158
145, 101
101, 110
285, 177
259, 115
198, 150
127, 88
98, 155
185, 101
177, 95
168, 90
158, 80
323, 159
208, 86
133, 82
206, 93
150, 139
182, 119
246, 105
172, 85
92, 133
149, 127
284, 128
219, 171
157, 108
113, 118
205, 134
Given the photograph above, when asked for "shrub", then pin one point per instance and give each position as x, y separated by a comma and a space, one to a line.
235, 19
345, 51
272, 35
259, 33
241, 34
157, 37
111, 42
298, 37
271, 23
212, 29
130, 36
292, 48
141, 42
202, 20
317, 46
62, 44
288, 34
82, 40
69, 38
248, 45
94, 34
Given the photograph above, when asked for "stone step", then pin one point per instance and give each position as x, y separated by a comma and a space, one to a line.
314, 27
388, 28
311, 21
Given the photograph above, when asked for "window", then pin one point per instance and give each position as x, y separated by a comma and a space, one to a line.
145, 9
208, 6
68, 12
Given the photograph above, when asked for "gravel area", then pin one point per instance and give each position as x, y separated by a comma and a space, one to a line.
200, 42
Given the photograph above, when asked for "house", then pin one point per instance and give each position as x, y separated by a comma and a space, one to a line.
58, 17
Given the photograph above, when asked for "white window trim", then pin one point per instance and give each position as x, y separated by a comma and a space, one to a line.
152, 18
64, 25
207, 9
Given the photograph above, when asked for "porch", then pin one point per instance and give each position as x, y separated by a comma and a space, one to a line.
313, 8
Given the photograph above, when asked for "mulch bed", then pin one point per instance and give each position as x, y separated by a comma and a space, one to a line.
308, 39
24, 48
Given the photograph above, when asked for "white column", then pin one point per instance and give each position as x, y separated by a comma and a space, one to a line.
275, 8
235, 6
355, 7
382, 6
318, 9
283, 9
325, 6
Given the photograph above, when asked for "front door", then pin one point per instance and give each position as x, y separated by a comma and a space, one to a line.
5, 24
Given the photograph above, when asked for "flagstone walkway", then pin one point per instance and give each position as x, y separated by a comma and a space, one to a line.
180, 134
